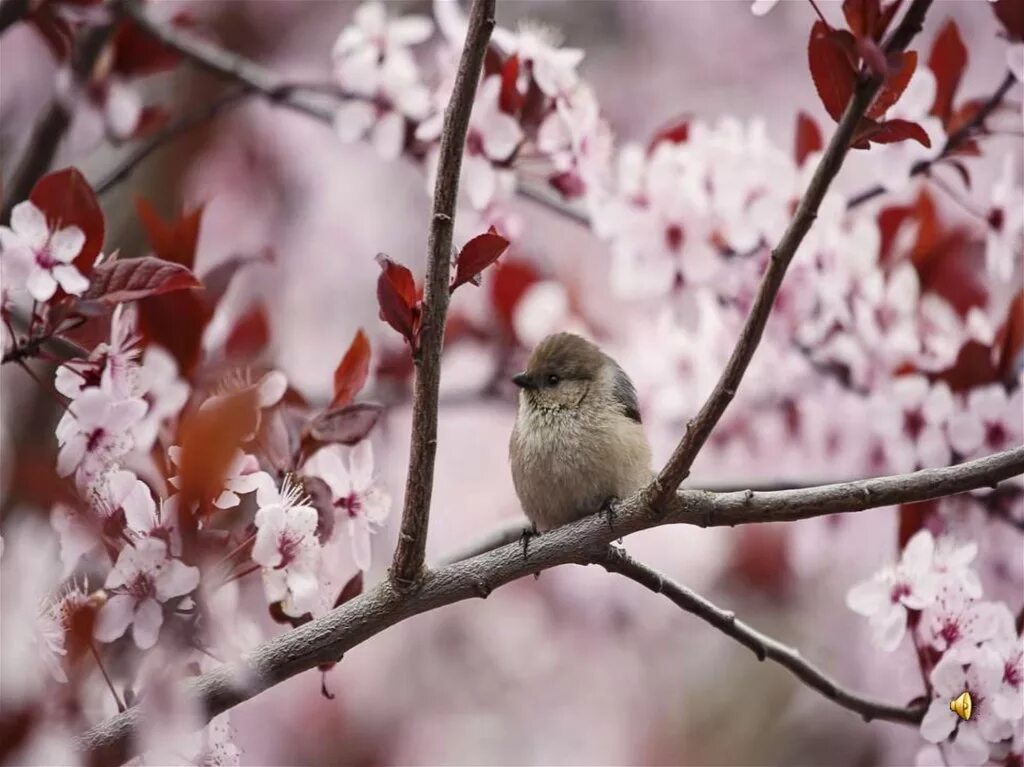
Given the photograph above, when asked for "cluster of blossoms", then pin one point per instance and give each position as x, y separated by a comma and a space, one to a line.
177, 476
963, 644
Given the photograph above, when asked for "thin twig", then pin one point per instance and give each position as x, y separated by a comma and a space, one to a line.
327, 638
764, 647
47, 135
699, 428
170, 132
412, 540
953, 141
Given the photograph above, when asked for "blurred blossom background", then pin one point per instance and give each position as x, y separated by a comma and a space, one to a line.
580, 666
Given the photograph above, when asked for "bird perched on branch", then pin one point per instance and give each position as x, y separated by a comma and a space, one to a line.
578, 444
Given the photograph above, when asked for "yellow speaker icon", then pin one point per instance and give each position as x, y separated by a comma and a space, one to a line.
962, 706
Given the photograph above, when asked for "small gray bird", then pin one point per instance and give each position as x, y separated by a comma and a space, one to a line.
578, 443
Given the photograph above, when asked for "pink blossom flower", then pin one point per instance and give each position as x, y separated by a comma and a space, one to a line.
912, 416
357, 499
957, 622
493, 137
886, 598
979, 673
287, 547
1004, 241
45, 255
1008, 649
987, 422
952, 563
112, 365
164, 392
95, 431
553, 68
143, 577
373, 31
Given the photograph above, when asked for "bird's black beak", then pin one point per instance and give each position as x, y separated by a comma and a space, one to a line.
523, 381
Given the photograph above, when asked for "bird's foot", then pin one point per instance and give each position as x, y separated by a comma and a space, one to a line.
524, 539
608, 508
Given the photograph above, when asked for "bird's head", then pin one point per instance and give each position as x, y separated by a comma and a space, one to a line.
563, 372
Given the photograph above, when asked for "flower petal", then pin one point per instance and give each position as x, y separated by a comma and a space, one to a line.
175, 580
149, 616
66, 244
29, 223
114, 618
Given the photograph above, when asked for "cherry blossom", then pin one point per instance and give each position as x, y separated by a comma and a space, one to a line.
956, 622
143, 577
493, 137
357, 499
95, 431
77, 533
987, 421
372, 31
979, 673
1008, 649
886, 598
952, 563
1004, 241
287, 547
911, 415
553, 68
45, 256
164, 392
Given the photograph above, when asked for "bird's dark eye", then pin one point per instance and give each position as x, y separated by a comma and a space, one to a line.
553, 380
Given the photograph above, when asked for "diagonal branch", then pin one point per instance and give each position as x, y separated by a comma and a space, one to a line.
699, 428
47, 134
412, 539
327, 638
616, 560
168, 133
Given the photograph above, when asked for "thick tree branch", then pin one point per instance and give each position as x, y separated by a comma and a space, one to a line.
953, 141
329, 637
616, 560
412, 539
699, 428
47, 134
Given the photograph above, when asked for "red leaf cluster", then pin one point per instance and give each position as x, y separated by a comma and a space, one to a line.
476, 255
839, 57
399, 300
1011, 15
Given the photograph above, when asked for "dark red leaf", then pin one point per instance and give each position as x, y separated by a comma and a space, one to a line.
345, 426
397, 299
137, 53
209, 438
892, 131
568, 184
176, 321
861, 16
808, 137
134, 278
510, 100
676, 131
1011, 15
866, 128
913, 517
973, 367
67, 200
895, 83
833, 74
350, 375
250, 334
476, 255
492, 61
947, 61
171, 240
512, 278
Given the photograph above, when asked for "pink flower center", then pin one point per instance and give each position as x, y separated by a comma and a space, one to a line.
950, 632
474, 143
674, 237
142, 587
351, 503
45, 259
95, 439
288, 544
899, 590
995, 435
1012, 674
913, 423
